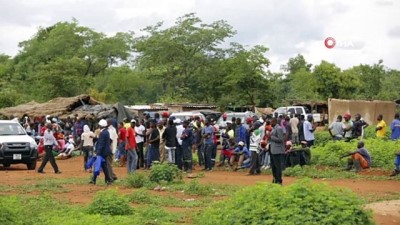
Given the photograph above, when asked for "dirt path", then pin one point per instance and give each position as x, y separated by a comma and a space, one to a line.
384, 212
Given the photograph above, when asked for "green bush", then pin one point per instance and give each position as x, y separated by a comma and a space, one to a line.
300, 203
322, 137
164, 172
10, 211
109, 202
137, 180
382, 152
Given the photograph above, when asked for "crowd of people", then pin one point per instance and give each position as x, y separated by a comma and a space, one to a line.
254, 144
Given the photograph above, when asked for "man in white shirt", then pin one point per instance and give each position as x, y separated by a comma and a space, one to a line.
309, 129
140, 133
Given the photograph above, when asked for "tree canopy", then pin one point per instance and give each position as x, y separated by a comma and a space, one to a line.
189, 61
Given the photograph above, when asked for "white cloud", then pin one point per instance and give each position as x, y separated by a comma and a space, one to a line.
365, 31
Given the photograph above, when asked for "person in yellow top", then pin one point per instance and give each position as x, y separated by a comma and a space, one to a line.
380, 127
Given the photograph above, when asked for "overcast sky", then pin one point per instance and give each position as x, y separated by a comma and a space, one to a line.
365, 31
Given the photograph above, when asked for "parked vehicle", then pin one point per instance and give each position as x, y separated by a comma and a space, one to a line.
242, 115
16, 146
187, 115
291, 111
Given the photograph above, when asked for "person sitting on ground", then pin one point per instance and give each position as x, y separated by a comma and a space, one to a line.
68, 149
396, 171
297, 155
240, 154
360, 159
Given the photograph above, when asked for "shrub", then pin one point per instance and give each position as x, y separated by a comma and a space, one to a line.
136, 180
10, 212
322, 137
300, 203
164, 172
108, 202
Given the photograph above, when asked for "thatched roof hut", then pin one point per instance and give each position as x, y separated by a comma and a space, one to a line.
55, 107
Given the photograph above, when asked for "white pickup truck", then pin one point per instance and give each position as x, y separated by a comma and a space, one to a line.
300, 110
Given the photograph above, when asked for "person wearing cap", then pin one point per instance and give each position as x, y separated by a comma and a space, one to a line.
358, 126
169, 136
336, 129
309, 129
140, 134
277, 150
359, 159
239, 154
187, 137
348, 126
131, 148
154, 145
103, 150
380, 127
49, 141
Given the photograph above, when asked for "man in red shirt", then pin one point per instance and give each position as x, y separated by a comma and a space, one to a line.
131, 147
121, 154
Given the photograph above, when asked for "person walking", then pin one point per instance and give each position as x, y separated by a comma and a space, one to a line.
103, 150
49, 141
277, 149
131, 148
87, 144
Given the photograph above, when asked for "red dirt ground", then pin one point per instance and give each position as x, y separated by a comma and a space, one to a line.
384, 213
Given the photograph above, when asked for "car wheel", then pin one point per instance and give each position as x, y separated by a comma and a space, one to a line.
32, 165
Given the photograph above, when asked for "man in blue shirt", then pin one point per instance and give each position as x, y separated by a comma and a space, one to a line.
395, 126
208, 135
240, 132
360, 159
103, 150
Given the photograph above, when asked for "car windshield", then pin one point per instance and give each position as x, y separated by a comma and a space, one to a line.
11, 129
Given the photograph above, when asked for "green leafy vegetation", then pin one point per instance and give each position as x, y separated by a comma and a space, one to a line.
165, 172
137, 180
195, 188
301, 203
108, 202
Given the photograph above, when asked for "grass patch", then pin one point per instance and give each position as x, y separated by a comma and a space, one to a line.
143, 196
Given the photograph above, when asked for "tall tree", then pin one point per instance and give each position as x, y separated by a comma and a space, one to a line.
175, 55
